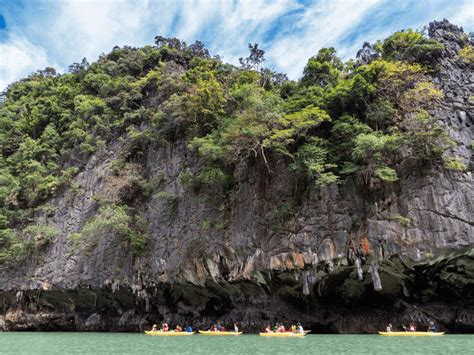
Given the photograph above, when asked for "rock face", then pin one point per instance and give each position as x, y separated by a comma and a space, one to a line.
342, 259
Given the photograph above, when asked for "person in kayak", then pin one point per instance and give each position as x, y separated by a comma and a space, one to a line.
178, 329
236, 328
189, 329
389, 328
432, 328
165, 327
299, 329
213, 328
412, 327
154, 328
268, 329
293, 328
281, 329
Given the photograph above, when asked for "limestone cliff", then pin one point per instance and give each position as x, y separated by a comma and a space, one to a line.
340, 259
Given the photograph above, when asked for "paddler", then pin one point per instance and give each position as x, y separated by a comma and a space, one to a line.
281, 329
236, 328
293, 328
189, 329
154, 328
165, 327
178, 329
268, 329
412, 327
300, 329
389, 328
432, 327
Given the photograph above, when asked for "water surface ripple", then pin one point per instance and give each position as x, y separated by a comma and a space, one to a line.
130, 343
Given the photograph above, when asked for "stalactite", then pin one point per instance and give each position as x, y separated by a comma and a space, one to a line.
305, 283
358, 266
19, 296
313, 275
373, 269
380, 251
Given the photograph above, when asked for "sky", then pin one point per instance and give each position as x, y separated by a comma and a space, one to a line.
35, 34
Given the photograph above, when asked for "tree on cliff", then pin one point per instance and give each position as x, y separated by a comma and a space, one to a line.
255, 58
76, 68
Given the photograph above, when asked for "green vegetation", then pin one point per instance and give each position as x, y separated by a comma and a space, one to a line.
361, 118
110, 219
467, 54
12, 247
41, 234
404, 221
455, 164
411, 46
116, 221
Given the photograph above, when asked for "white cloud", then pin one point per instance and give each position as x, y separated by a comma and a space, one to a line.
247, 21
77, 29
320, 26
194, 17
464, 15
19, 58
289, 31
86, 29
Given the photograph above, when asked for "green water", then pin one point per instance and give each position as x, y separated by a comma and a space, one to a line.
126, 343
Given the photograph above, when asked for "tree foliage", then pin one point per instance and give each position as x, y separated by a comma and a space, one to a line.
411, 46
361, 118
467, 54
323, 69
255, 58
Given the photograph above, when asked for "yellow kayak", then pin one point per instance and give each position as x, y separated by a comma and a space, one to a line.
411, 334
168, 334
286, 334
208, 332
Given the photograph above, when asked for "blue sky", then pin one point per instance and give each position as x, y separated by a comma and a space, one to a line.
39, 33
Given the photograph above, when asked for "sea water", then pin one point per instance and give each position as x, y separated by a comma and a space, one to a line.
132, 343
